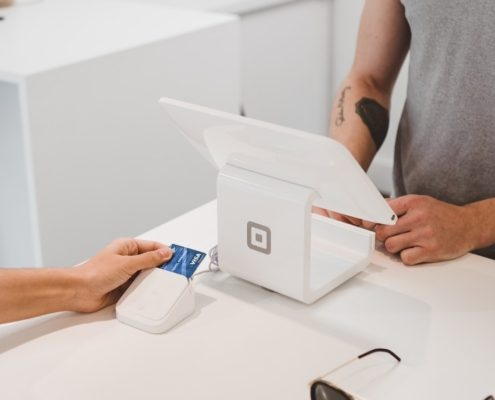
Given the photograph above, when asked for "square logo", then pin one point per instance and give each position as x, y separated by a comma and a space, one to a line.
259, 237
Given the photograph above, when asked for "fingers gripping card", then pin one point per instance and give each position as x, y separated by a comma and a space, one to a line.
185, 261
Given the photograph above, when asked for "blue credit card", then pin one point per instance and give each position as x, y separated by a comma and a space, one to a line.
185, 261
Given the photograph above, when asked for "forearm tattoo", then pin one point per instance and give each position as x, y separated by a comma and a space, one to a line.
340, 106
375, 117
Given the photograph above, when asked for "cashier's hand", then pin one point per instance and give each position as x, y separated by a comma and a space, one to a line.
102, 279
427, 230
340, 217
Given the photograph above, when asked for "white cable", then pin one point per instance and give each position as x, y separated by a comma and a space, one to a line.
213, 265
213, 254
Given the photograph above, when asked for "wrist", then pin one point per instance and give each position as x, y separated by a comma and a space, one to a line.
88, 296
76, 289
473, 221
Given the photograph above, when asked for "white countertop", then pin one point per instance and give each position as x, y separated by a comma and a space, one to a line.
55, 33
244, 342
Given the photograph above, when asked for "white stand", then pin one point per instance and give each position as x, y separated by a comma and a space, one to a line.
267, 235
270, 177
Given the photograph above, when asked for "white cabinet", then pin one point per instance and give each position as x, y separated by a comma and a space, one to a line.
86, 153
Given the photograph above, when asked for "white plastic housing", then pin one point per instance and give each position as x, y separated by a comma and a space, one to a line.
269, 179
309, 255
156, 301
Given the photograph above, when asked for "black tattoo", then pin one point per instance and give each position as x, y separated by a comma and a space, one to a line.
340, 117
375, 117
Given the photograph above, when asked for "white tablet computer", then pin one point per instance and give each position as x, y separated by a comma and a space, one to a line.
291, 155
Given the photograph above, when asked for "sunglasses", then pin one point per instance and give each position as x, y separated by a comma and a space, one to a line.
321, 389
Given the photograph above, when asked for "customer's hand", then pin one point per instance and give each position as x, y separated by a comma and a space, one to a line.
102, 279
427, 230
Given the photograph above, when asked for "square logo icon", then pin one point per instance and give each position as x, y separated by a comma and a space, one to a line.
259, 237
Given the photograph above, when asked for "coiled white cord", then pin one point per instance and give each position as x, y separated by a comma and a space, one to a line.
213, 265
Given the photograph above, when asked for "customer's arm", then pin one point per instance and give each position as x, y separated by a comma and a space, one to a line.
360, 113
98, 282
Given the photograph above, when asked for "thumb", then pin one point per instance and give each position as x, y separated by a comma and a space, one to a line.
400, 205
149, 259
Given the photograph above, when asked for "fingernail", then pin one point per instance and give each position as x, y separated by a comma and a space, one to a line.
166, 252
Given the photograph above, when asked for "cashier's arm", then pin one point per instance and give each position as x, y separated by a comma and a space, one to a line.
427, 229
88, 287
360, 113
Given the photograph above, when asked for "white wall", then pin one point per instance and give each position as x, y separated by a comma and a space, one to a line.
16, 222
346, 22
286, 64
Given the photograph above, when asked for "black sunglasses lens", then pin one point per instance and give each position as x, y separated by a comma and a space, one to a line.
322, 391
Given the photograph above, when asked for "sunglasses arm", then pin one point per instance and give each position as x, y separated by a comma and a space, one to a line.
322, 377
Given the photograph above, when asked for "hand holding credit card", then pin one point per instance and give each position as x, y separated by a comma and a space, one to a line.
185, 261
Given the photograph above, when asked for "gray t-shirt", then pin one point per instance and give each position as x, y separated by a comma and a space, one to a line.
445, 144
